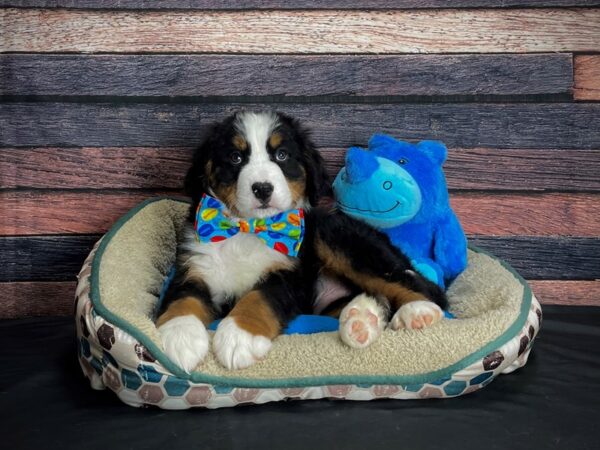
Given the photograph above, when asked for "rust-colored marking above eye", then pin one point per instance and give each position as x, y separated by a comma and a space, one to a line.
275, 140
240, 143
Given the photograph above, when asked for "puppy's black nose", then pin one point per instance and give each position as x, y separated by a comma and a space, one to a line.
262, 191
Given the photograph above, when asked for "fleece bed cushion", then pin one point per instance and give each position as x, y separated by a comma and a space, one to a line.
496, 321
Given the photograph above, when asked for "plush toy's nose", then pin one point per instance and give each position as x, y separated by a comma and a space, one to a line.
360, 165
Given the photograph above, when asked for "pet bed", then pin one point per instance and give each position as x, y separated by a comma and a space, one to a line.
496, 321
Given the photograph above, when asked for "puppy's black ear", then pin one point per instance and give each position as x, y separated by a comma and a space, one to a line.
196, 179
196, 182
317, 179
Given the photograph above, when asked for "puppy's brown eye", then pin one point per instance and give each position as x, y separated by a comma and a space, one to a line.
235, 158
281, 155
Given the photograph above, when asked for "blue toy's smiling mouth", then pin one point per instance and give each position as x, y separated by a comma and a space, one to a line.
370, 210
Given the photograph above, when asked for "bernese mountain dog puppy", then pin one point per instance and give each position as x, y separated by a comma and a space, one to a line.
256, 252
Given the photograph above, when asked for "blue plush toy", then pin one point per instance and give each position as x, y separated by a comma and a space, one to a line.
400, 188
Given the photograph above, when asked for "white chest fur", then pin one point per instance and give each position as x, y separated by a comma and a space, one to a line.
232, 267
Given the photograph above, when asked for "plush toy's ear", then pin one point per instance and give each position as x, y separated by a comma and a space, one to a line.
380, 140
435, 150
381, 143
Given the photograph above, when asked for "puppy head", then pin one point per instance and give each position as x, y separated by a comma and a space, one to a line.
258, 164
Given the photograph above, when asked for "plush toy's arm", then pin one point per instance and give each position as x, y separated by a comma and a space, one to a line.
450, 246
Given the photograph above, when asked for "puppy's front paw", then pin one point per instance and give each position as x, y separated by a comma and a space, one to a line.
185, 341
236, 348
416, 315
361, 321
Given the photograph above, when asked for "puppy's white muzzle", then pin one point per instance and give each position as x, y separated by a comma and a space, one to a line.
262, 172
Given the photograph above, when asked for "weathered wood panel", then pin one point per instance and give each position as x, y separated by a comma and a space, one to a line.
164, 168
43, 258
587, 77
94, 168
276, 31
545, 126
39, 212
517, 169
272, 75
561, 258
59, 258
531, 215
573, 293
283, 4
27, 299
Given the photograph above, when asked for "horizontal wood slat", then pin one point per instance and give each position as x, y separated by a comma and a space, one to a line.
270, 75
59, 258
518, 169
283, 4
530, 215
94, 168
32, 213
546, 257
276, 31
43, 258
31, 298
587, 77
164, 168
573, 293
545, 126
26, 299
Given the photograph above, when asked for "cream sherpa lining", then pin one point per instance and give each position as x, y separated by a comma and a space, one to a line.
135, 257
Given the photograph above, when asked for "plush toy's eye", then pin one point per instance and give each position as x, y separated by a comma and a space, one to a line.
235, 158
387, 185
402, 161
281, 155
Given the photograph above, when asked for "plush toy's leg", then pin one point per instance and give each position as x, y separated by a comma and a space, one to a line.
363, 320
430, 270
185, 313
244, 336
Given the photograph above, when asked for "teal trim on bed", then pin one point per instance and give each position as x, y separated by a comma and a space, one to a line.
199, 377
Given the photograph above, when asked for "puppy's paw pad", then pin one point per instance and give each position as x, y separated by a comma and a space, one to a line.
236, 348
185, 341
361, 322
416, 315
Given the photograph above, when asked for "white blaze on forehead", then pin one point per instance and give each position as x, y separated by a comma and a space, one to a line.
257, 128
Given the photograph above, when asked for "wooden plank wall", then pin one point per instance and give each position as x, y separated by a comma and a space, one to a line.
103, 102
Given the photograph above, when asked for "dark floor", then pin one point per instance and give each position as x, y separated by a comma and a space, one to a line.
554, 402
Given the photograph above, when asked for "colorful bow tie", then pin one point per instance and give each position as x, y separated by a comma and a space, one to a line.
282, 232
